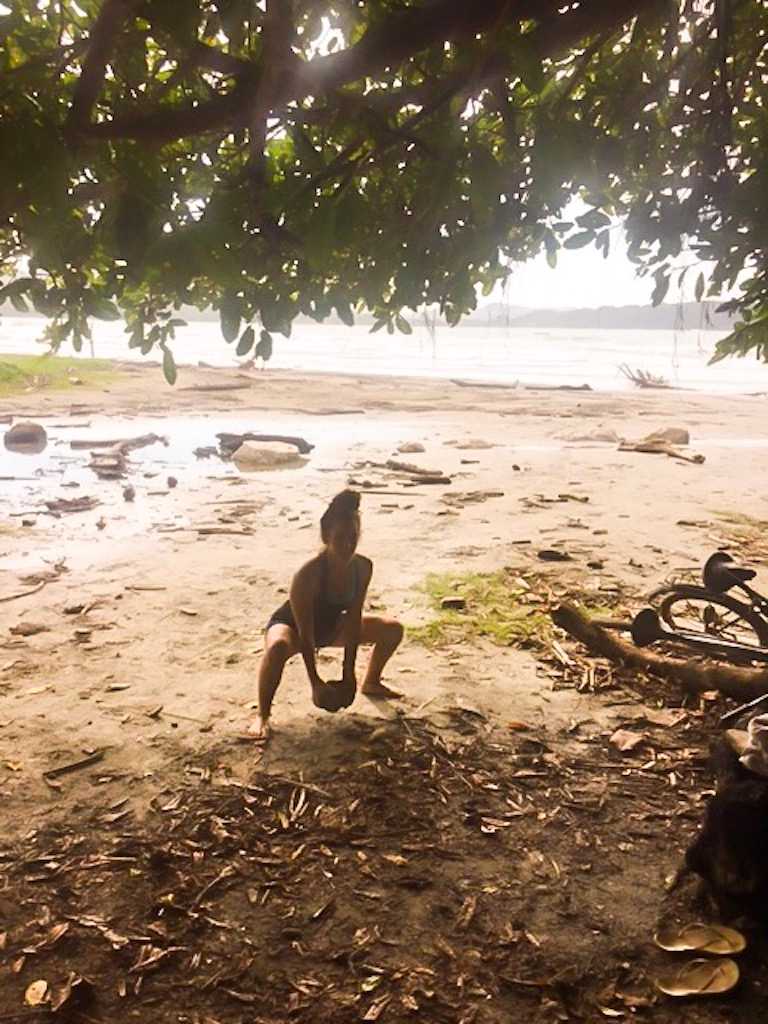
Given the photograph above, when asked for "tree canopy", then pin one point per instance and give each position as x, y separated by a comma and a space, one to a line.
289, 157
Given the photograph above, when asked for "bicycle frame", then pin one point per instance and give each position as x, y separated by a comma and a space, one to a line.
758, 602
647, 629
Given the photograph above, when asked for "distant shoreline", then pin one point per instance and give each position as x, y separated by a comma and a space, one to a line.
693, 316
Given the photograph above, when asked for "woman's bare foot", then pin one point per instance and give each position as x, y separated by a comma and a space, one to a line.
260, 729
380, 691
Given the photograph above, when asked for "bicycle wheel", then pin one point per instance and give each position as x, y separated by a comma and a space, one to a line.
697, 610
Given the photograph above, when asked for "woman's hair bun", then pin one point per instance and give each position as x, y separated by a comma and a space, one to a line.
345, 505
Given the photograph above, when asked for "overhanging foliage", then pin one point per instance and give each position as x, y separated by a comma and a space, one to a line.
300, 157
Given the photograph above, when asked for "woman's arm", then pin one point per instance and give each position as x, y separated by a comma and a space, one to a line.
354, 617
302, 597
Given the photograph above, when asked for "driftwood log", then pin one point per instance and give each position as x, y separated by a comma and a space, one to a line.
123, 445
693, 675
230, 442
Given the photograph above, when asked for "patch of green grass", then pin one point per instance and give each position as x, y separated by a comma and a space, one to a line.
740, 520
20, 373
498, 608
745, 535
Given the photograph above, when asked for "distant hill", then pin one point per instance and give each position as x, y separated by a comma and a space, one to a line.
688, 316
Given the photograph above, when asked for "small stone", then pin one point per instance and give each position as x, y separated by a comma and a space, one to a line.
671, 435
552, 555
454, 603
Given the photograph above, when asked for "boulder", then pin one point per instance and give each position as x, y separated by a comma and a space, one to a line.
266, 455
601, 434
25, 437
671, 435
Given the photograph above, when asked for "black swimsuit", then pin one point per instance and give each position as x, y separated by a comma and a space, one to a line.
328, 609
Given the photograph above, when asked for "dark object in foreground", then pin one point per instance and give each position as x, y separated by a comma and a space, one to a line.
731, 851
334, 695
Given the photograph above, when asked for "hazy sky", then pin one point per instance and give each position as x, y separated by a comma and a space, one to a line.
582, 278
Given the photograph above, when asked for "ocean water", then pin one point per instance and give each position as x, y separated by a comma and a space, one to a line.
494, 354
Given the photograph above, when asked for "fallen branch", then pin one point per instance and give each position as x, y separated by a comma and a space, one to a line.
694, 675
232, 441
414, 471
125, 445
484, 384
216, 387
659, 448
214, 531
557, 387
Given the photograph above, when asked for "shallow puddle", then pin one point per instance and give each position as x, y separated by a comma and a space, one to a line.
29, 479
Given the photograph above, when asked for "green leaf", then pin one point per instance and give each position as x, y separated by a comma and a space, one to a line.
402, 325
345, 313
245, 344
699, 290
100, 307
552, 258
320, 233
169, 366
579, 240
593, 219
230, 316
18, 302
264, 347
661, 287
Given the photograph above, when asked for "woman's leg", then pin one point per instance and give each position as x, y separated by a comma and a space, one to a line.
280, 644
385, 635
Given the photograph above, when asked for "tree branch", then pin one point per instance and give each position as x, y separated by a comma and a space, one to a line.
100, 45
205, 56
402, 36
276, 66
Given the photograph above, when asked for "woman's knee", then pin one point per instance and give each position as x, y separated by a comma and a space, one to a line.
392, 631
280, 649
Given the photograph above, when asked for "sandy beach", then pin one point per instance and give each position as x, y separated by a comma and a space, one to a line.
151, 630
516, 445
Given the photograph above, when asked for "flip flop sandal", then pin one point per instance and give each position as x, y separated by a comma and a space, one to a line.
701, 938
699, 978
738, 740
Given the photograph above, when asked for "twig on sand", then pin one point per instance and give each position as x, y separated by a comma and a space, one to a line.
299, 784
216, 387
23, 593
85, 762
